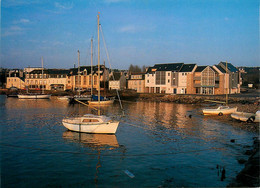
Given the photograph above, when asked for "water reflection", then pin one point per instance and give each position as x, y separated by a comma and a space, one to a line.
94, 141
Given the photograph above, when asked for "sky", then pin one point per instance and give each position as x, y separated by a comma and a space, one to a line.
138, 32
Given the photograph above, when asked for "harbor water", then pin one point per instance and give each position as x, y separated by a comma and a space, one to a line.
156, 145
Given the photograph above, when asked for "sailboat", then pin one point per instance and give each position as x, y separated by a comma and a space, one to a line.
35, 95
90, 123
221, 110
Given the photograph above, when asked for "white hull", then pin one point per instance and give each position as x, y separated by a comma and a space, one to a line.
34, 96
242, 116
101, 102
76, 124
219, 111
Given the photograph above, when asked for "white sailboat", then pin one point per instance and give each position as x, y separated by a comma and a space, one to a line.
35, 95
90, 123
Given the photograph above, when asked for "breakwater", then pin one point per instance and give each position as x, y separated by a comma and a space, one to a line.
196, 99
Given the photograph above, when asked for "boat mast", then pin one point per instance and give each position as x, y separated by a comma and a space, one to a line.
226, 86
78, 74
42, 76
91, 66
98, 64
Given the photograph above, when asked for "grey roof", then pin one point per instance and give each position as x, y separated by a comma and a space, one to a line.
200, 68
50, 71
230, 67
221, 69
187, 67
166, 67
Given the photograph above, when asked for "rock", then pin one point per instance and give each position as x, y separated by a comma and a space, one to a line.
241, 161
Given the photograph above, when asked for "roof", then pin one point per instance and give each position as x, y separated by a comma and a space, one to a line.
74, 71
230, 67
166, 67
220, 68
187, 67
200, 68
50, 71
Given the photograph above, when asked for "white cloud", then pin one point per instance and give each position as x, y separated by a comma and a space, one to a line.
22, 20
128, 29
65, 6
13, 30
115, 1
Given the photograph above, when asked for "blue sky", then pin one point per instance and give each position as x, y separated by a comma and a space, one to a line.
139, 32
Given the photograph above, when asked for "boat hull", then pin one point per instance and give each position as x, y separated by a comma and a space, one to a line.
242, 116
219, 111
34, 96
101, 128
101, 102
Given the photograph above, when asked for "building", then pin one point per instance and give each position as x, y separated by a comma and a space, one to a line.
214, 80
186, 69
117, 80
16, 78
136, 82
164, 78
204, 80
83, 79
48, 79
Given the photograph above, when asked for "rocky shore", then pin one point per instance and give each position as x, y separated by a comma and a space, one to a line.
249, 176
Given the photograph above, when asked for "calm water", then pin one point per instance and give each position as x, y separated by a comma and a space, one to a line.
157, 142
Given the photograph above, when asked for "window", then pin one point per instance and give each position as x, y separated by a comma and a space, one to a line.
160, 78
148, 81
208, 77
168, 80
168, 74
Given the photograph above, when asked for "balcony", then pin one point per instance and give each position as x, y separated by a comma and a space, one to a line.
197, 85
197, 78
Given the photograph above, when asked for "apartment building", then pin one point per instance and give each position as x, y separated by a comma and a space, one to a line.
136, 82
82, 78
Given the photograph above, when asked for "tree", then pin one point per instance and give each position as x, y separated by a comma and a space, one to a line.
133, 68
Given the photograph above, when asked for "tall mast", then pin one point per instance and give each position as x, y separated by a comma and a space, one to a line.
226, 86
78, 73
42, 75
91, 66
98, 63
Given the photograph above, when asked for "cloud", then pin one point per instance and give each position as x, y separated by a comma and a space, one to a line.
115, 1
128, 29
65, 6
133, 28
13, 30
23, 21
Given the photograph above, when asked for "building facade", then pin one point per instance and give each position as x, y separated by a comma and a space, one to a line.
136, 82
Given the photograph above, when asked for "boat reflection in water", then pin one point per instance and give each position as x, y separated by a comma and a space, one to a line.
95, 141
98, 142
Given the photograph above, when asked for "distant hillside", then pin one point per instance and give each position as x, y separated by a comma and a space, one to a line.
251, 76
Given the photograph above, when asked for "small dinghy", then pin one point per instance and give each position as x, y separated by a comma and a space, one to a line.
221, 110
248, 117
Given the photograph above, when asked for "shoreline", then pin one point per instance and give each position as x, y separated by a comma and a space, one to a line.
249, 175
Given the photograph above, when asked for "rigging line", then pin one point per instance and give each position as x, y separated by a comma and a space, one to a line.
111, 67
104, 154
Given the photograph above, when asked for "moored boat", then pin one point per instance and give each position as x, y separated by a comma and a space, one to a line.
248, 117
33, 96
221, 110
90, 123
